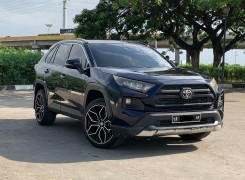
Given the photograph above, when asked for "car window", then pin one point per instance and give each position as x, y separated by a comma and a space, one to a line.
50, 54
61, 55
78, 52
126, 55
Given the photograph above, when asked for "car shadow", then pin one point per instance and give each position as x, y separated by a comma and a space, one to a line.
26, 141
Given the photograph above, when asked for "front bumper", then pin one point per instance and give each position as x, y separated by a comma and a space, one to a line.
163, 131
146, 127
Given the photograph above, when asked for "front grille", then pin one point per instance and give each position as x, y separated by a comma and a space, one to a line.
169, 96
221, 100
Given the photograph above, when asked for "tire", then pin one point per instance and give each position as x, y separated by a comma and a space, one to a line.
96, 126
44, 116
194, 137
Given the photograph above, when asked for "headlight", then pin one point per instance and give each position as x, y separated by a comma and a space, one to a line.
133, 84
214, 84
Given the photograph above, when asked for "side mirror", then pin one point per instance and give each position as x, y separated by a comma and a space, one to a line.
74, 64
174, 62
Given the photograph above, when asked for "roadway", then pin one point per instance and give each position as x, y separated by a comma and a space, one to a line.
30, 151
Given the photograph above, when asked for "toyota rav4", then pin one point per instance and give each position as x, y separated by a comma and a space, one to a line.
121, 90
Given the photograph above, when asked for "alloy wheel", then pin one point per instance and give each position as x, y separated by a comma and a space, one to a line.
39, 107
97, 125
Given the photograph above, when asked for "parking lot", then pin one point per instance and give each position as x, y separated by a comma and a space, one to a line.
29, 151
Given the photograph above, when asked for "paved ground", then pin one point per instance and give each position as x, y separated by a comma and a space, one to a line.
29, 151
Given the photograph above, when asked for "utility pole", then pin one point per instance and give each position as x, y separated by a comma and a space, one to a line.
235, 56
64, 14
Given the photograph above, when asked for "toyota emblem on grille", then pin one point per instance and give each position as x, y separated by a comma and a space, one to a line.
186, 93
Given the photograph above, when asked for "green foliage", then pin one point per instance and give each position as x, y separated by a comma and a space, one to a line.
216, 4
17, 66
233, 73
92, 24
112, 19
175, 20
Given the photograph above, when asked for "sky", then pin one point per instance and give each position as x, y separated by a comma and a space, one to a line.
29, 17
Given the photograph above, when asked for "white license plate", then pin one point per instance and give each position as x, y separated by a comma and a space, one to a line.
186, 118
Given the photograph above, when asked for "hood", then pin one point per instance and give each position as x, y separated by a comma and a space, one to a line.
170, 75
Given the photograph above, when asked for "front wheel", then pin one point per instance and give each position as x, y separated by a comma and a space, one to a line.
97, 125
194, 137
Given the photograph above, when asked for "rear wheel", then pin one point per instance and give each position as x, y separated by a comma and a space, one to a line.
195, 137
97, 125
44, 116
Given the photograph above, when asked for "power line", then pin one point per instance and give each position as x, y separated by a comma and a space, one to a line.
23, 5
17, 4
35, 10
17, 10
79, 3
83, 2
11, 2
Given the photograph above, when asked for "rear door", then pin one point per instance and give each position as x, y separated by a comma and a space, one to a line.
54, 78
46, 70
74, 84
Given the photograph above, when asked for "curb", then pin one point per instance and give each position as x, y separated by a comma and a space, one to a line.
232, 86
226, 86
16, 87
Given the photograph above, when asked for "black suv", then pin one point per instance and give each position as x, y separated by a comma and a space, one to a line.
121, 90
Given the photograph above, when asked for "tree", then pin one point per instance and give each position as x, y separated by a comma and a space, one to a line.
136, 17
171, 19
176, 20
96, 23
214, 24
202, 20
108, 20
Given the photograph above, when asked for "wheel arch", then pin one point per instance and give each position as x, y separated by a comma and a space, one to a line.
39, 85
96, 91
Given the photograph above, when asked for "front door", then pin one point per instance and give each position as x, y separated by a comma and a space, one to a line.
74, 84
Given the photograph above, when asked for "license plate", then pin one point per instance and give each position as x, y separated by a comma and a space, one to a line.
186, 118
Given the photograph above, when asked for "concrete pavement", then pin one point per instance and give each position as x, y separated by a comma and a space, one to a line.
29, 151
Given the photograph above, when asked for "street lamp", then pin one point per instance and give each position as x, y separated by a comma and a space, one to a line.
226, 11
49, 26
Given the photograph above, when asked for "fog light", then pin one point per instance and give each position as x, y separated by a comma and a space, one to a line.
128, 101
132, 103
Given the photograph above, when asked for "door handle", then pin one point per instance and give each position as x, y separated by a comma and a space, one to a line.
62, 76
46, 71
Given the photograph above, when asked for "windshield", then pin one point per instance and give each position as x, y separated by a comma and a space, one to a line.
125, 55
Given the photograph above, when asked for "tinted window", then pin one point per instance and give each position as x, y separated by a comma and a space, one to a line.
61, 55
50, 55
78, 52
126, 56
